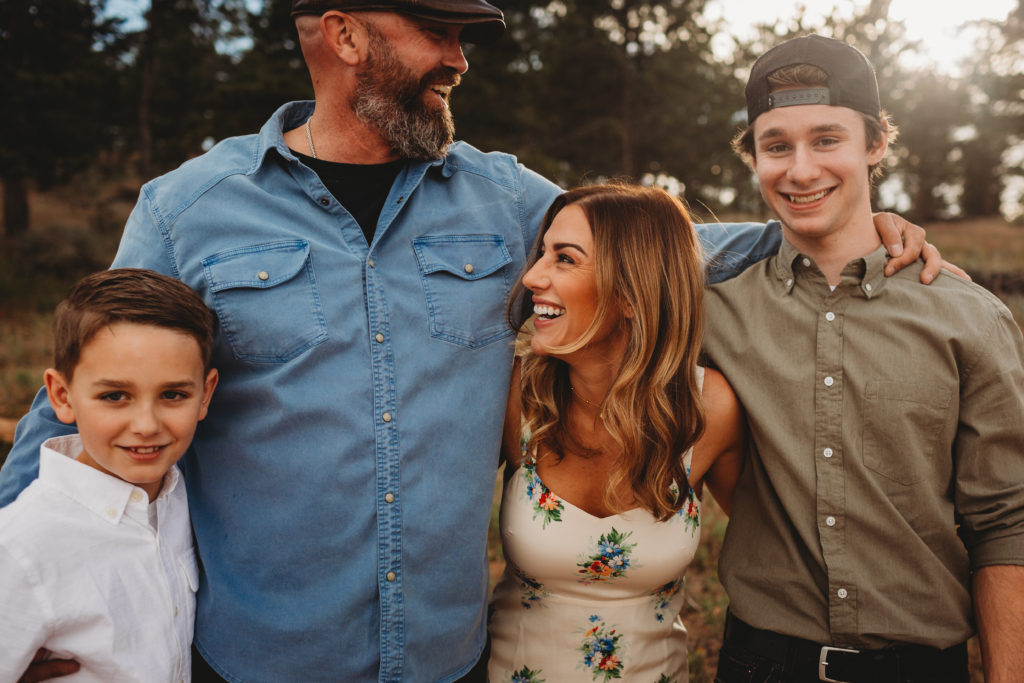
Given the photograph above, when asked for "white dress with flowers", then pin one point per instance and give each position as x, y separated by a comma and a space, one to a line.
587, 598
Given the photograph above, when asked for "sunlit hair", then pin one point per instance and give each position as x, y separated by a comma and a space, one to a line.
650, 278
128, 295
809, 76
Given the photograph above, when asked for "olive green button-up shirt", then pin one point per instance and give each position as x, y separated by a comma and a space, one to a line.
887, 419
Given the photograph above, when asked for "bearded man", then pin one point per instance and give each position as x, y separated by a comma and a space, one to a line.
359, 262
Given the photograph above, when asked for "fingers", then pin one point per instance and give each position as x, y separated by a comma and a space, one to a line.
905, 253
932, 262
889, 232
52, 668
956, 270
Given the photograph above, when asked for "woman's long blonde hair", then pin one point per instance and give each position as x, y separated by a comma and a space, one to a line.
649, 264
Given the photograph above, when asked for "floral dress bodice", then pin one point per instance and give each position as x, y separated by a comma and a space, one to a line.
587, 598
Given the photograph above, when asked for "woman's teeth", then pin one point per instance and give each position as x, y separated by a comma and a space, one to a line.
548, 312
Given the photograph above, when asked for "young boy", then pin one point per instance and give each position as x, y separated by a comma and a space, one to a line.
96, 556
880, 519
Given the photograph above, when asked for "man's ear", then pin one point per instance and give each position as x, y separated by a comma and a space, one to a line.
877, 151
346, 38
58, 391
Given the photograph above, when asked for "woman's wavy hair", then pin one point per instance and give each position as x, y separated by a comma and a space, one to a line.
649, 272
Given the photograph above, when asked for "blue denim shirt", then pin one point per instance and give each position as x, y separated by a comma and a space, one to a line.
341, 485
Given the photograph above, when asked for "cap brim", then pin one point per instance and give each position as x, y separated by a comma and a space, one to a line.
477, 29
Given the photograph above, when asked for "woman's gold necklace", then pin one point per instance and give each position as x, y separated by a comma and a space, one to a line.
589, 403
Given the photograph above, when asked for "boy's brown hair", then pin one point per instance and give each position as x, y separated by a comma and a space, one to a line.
128, 295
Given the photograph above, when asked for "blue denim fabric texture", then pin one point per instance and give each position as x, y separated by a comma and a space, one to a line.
341, 486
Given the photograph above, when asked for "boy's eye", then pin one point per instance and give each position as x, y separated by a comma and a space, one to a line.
113, 396
174, 395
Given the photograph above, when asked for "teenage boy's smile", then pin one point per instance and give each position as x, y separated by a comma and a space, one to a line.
812, 164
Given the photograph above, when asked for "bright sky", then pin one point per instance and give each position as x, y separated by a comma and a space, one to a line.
925, 20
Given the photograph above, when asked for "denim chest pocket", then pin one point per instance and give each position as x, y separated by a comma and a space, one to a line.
903, 420
267, 300
466, 281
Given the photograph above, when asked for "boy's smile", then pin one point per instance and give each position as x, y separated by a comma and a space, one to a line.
136, 394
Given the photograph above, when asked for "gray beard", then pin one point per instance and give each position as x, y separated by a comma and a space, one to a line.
389, 98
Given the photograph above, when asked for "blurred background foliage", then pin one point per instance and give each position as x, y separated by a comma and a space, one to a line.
580, 90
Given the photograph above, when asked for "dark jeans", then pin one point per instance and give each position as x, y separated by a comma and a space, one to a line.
203, 673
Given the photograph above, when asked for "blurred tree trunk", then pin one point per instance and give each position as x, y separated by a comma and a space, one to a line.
15, 206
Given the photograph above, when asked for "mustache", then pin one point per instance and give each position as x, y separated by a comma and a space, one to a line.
442, 75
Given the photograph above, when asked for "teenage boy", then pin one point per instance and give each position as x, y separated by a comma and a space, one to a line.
886, 489
96, 556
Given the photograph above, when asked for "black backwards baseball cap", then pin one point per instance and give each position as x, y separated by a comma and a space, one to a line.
484, 23
851, 78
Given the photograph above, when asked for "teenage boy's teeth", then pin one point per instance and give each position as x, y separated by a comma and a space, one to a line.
807, 198
547, 311
145, 451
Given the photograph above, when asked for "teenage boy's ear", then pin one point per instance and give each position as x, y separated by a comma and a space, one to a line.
58, 391
877, 151
208, 386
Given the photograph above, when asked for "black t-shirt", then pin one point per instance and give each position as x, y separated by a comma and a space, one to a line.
361, 188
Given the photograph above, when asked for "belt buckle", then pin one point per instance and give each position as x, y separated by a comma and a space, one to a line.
823, 662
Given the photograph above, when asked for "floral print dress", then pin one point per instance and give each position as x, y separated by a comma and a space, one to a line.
585, 598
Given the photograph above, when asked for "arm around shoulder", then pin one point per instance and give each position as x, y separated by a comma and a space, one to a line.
718, 455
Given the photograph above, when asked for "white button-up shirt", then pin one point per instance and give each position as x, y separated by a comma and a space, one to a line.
84, 574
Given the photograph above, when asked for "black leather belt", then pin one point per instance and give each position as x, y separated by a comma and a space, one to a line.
807, 659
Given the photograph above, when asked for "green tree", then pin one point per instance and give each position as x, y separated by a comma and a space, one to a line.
583, 90
56, 79
176, 75
993, 84
265, 76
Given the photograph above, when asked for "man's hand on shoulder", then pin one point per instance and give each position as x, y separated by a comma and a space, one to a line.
905, 242
42, 669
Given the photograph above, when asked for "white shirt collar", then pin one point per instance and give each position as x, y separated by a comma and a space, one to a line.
105, 495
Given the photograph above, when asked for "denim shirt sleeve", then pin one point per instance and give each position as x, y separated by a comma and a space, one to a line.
22, 465
731, 248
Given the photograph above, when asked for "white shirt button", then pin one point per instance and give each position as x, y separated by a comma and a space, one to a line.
136, 496
386, 417
830, 520
389, 498
789, 283
868, 286
390, 576
379, 337
830, 316
807, 261
842, 593
829, 381
111, 512
469, 268
828, 453
263, 275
